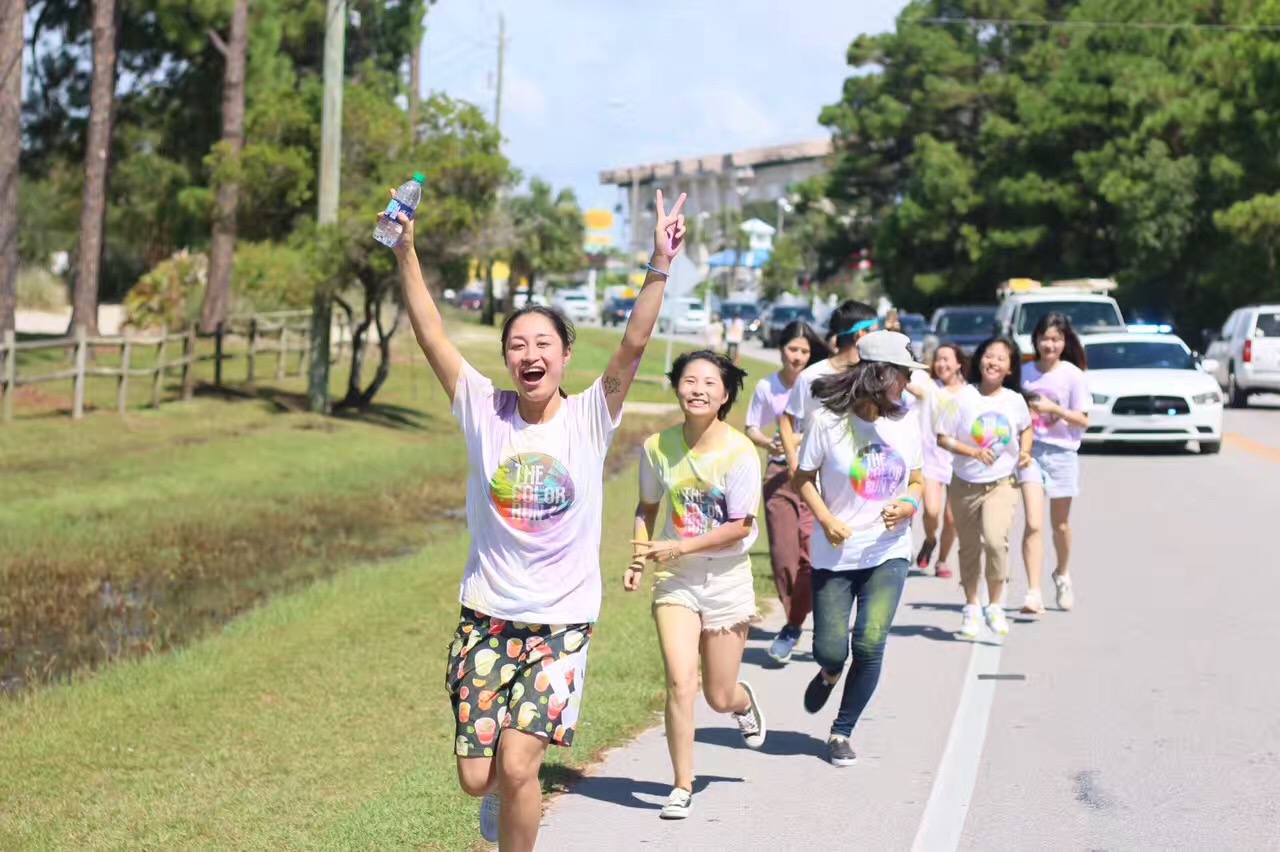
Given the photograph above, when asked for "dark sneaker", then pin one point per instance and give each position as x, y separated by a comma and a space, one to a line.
839, 752
926, 553
784, 644
751, 723
817, 692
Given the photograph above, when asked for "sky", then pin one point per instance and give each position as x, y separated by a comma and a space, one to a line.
598, 84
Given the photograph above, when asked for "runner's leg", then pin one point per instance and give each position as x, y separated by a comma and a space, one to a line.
519, 759
1059, 516
679, 629
721, 660
878, 592
1033, 535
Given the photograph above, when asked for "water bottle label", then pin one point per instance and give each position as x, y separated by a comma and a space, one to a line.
395, 208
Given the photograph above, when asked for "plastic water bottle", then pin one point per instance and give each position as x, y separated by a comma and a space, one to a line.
406, 201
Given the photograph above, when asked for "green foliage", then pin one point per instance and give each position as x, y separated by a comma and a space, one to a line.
969, 154
170, 294
549, 231
273, 277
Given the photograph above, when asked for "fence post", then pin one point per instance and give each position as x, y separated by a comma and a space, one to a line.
284, 347
10, 375
217, 357
82, 346
158, 379
189, 363
122, 390
304, 354
253, 346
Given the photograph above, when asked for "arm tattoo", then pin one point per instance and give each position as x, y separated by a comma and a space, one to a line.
612, 385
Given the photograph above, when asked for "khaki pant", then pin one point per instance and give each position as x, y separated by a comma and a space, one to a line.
984, 513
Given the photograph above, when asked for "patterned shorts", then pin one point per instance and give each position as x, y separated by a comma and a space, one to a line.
508, 674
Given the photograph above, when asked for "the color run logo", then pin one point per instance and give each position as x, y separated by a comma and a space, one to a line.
697, 508
878, 472
992, 431
1044, 421
531, 491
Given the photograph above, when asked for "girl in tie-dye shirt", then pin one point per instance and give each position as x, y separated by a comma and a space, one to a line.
707, 476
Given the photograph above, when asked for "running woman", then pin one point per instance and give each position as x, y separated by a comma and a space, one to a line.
1059, 399
989, 433
530, 593
948, 376
787, 517
848, 323
865, 454
708, 475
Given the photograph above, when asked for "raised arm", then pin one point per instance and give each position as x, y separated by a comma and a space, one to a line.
428, 325
668, 240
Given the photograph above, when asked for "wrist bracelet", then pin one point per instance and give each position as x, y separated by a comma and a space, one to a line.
915, 504
652, 268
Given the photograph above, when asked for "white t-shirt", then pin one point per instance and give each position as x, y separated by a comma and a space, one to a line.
993, 422
802, 402
534, 503
767, 405
938, 405
861, 467
702, 490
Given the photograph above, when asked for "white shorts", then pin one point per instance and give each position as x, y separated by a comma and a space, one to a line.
937, 472
720, 589
1056, 468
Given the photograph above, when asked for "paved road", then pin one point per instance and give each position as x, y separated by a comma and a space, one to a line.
1147, 718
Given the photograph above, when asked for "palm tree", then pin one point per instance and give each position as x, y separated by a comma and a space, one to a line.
97, 161
12, 14
548, 235
217, 297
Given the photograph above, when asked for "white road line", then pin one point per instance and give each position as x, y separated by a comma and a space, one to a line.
948, 805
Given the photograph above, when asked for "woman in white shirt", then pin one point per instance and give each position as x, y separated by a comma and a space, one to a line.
989, 433
530, 593
865, 454
947, 374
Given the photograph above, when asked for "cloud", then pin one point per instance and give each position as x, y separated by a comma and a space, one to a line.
734, 113
523, 96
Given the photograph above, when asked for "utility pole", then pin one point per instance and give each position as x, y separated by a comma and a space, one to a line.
335, 36
489, 312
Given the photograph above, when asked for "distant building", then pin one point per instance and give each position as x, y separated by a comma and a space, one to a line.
714, 183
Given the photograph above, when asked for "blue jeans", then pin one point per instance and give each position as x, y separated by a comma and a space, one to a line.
877, 592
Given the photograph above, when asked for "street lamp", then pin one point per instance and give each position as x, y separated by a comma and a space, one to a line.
784, 207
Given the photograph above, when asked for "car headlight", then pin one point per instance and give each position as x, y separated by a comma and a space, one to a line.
1100, 399
1210, 398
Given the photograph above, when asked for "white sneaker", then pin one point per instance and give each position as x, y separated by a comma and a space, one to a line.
1066, 597
1034, 603
995, 619
751, 723
490, 806
679, 804
971, 621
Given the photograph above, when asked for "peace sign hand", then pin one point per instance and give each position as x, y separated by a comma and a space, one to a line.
669, 230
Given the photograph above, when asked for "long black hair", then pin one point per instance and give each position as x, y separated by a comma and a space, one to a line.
564, 328
875, 382
1072, 349
731, 375
1013, 381
818, 350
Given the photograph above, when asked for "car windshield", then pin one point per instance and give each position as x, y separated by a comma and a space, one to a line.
787, 313
1083, 315
747, 312
966, 323
1139, 355
913, 324
574, 297
624, 304
1268, 325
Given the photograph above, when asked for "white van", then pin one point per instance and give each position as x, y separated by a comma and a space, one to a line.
1245, 357
1088, 312
683, 315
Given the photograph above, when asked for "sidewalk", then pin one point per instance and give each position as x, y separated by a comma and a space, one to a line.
786, 796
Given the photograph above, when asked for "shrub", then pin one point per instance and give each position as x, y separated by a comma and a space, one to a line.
272, 277
170, 294
41, 290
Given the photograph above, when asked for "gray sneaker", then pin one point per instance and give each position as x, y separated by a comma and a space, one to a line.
839, 752
679, 804
752, 723
490, 807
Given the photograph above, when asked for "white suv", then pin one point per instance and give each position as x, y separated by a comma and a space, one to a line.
1245, 356
1088, 312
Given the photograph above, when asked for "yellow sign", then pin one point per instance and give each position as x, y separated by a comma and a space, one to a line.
598, 220
599, 239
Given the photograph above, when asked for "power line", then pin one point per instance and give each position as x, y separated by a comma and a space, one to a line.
1113, 25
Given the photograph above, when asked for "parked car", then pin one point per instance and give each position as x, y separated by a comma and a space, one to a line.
916, 329
575, 304
779, 317
1246, 353
748, 311
964, 325
683, 315
617, 310
1151, 388
471, 300
1089, 312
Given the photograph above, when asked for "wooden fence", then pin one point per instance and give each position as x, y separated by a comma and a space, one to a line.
266, 336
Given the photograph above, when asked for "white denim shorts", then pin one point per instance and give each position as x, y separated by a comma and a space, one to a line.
720, 589
1056, 468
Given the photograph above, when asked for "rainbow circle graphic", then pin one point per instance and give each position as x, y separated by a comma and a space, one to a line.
991, 431
878, 471
531, 491
697, 507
